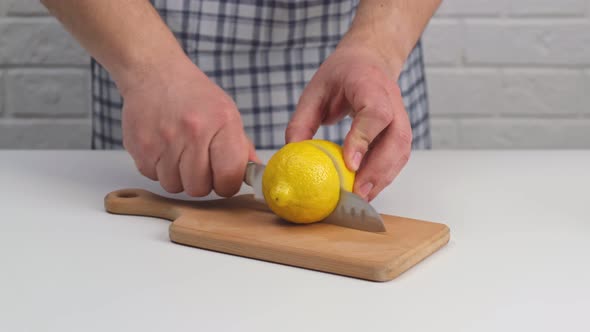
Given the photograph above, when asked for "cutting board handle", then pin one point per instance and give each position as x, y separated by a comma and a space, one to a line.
140, 202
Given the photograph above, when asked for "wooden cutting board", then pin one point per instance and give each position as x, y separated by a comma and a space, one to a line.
243, 226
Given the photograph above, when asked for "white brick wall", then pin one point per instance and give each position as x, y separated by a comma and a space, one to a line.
501, 74
510, 74
44, 81
47, 93
24, 7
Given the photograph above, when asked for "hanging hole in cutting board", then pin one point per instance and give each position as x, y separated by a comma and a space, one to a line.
127, 194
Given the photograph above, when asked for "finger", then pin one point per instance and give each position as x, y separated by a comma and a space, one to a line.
309, 113
147, 169
167, 169
145, 154
229, 155
381, 165
372, 113
388, 155
195, 170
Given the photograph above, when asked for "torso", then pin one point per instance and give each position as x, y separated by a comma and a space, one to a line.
262, 53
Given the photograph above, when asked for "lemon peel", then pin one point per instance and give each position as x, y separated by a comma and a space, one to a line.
302, 181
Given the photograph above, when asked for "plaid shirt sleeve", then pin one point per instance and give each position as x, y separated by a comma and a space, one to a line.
262, 53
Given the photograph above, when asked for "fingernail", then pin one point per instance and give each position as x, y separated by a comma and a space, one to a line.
356, 161
365, 189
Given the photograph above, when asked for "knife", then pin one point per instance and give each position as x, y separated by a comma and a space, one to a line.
351, 211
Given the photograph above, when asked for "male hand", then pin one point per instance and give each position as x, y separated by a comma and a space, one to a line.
184, 131
357, 81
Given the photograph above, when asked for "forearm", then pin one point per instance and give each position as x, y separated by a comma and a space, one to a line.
128, 37
391, 27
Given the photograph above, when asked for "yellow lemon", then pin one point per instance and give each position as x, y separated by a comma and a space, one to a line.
302, 181
335, 152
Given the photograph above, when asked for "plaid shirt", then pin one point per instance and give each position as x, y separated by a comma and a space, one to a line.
262, 53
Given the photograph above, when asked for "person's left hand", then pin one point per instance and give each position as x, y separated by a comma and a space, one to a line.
357, 80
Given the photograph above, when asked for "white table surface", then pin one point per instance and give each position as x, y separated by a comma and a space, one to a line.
518, 259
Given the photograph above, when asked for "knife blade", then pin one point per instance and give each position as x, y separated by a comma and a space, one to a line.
351, 211
253, 178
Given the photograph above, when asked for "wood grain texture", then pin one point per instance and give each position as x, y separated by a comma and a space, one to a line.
243, 226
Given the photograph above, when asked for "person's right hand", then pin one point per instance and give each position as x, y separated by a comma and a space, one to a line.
185, 132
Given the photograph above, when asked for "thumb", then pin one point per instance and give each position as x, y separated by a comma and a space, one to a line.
308, 115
